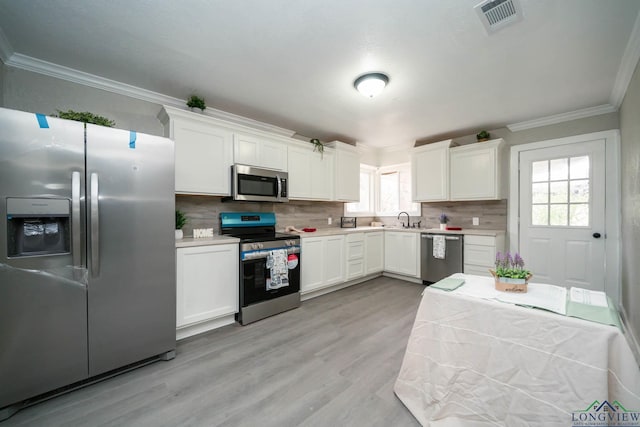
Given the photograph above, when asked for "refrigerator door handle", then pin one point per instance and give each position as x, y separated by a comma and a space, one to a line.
95, 227
75, 219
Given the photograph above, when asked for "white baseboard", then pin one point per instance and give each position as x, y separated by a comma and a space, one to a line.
332, 288
199, 328
630, 334
402, 277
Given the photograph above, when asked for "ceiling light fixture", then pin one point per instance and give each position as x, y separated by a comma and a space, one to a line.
371, 84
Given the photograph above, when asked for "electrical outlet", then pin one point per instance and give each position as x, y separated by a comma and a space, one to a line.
476, 220
329, 220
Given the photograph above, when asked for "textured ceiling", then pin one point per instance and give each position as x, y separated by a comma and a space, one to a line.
293, 63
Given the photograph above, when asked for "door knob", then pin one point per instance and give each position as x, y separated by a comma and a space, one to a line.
596, 235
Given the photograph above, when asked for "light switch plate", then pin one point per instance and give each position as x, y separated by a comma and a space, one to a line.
476, 220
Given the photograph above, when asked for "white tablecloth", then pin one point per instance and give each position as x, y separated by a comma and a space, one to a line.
476, 362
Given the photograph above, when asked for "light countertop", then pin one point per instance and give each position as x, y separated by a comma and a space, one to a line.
336, 231
188, 242
333, 231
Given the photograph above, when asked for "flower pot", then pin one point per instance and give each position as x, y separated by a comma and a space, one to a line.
443, 226
179, 234
507, 284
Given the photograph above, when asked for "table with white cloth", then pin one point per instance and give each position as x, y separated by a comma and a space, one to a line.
475, 361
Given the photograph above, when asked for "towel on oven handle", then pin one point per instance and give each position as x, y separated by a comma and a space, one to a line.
277, 264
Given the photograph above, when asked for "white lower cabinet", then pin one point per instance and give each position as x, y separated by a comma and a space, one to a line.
402, 253
323, 262
374, 252
333, 270
207, 287
480, 253
355, 255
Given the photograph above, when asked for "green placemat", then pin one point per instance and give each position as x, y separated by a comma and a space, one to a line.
448, 284
606, 315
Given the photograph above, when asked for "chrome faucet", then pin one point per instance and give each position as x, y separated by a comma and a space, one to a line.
408, 219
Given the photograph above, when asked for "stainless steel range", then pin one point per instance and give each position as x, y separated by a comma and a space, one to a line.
269, 265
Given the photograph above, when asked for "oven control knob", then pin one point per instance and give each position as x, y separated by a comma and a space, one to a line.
254, 246
260, 245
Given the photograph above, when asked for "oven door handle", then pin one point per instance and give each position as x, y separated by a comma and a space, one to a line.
264, 253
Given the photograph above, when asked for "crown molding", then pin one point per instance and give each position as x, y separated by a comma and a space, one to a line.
563, 117
627, 66
6, 51
39, 66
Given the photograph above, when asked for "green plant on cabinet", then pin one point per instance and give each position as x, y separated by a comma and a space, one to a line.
85, 117
196, 102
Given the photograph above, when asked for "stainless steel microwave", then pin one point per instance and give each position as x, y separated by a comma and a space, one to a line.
249, 183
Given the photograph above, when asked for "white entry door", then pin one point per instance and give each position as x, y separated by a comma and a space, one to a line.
562, 214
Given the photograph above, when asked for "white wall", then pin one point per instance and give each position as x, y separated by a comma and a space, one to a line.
558, 130
2, 73
37, 93
630, 170
385, 156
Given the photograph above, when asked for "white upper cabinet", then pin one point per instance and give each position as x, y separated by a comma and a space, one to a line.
476, 171
347, 172
203, 152
262, 151
310, 173
469, 172
430, 172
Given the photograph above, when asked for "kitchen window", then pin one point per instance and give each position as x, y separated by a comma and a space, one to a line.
384, 191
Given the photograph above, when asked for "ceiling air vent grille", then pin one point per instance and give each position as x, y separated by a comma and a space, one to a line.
497, 14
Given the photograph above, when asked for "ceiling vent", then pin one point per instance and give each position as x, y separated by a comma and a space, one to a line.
497, 14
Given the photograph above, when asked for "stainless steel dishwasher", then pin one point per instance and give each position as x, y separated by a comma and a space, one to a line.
433, 269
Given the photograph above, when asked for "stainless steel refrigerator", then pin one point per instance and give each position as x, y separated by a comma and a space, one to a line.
87, 252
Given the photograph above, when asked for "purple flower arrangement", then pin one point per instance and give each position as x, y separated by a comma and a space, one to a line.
443, 218
511, 266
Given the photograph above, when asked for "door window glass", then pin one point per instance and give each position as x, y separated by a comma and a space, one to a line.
560, 192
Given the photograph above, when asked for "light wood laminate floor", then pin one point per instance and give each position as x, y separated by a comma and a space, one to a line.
331, 362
